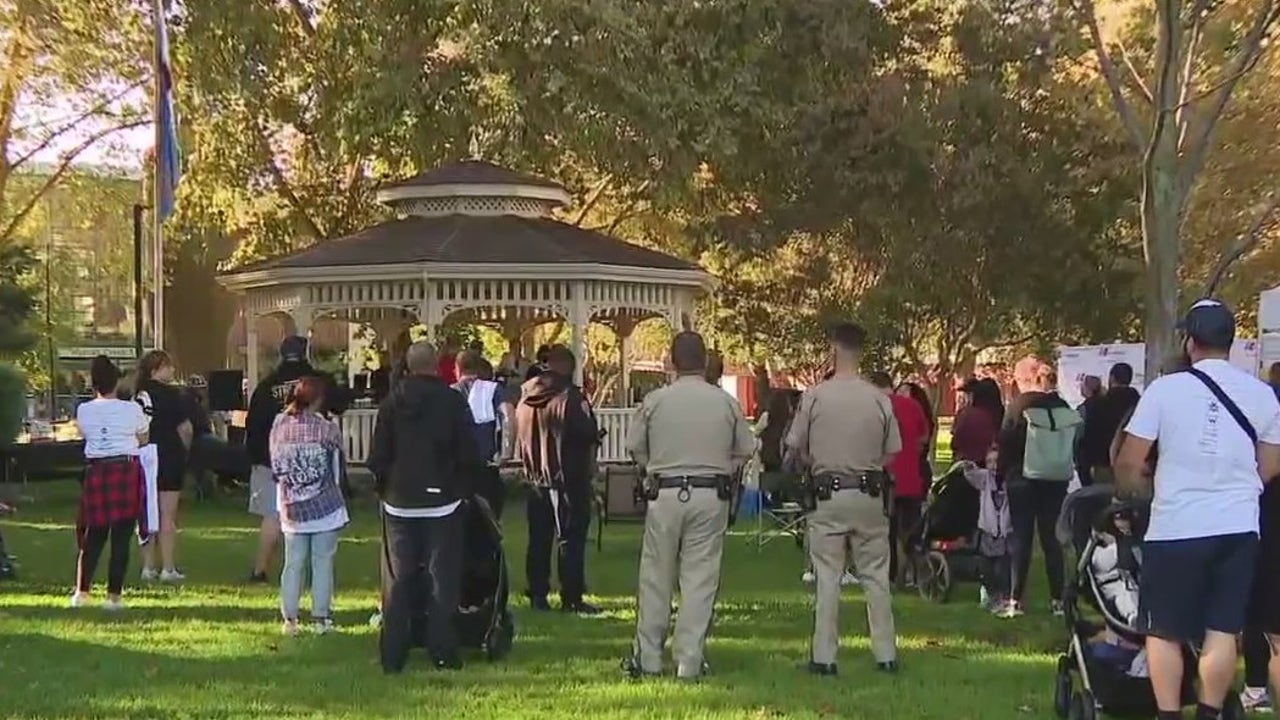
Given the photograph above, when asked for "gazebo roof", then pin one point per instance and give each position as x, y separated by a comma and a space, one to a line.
473, 172
472, 239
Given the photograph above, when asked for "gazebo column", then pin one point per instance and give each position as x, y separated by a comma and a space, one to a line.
251, 358
579, 317
624, 326
302, 319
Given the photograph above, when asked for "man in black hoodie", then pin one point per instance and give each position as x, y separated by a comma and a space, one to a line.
267, 401
1103, 421
424, 460
556, 439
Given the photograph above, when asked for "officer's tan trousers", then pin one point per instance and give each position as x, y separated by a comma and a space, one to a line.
683, 540
854, 515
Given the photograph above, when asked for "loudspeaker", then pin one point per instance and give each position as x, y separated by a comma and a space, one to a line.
226, 390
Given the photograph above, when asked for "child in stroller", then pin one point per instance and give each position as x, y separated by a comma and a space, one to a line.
1107, 659
943, 550
483, 619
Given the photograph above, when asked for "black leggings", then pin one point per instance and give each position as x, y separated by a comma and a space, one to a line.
91, 547
1034, 506
902, 522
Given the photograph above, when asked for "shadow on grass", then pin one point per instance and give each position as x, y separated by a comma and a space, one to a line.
337, 676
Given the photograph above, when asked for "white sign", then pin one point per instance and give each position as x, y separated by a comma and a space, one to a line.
115, 352
1075, 363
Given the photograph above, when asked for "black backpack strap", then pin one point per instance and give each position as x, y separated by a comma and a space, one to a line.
1227, 403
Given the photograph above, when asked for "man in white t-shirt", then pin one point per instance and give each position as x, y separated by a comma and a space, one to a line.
1200, 547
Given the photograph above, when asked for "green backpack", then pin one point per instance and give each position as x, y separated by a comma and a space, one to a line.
1051, 442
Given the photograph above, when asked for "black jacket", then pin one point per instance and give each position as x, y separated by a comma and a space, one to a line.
423, 452
268, 401
1011, 443
1105, 413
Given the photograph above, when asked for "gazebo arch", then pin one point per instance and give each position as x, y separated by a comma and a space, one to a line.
473, 242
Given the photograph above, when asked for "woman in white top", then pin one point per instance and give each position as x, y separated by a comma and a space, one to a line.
111, 497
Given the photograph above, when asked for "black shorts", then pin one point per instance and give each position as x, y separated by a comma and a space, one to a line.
1195, 585
1264, 608
172, 471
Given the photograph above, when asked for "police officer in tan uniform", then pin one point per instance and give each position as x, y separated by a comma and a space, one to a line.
689, 438
844, 433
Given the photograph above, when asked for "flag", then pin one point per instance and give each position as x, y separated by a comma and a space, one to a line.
168, 156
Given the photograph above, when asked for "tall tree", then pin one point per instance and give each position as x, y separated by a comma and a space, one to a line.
71, 79
1170, 112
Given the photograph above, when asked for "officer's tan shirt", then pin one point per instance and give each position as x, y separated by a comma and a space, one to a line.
690, 428
844, 425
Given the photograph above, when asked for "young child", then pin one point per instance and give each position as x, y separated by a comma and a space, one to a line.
994, 527
1118, 585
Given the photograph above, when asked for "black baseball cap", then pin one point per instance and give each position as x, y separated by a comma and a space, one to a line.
1210, 324
293, 347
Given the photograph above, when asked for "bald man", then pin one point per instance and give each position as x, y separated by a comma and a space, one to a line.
423, 459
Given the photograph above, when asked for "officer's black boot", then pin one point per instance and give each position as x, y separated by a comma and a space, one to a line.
823, 669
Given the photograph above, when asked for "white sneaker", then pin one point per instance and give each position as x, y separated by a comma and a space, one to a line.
171, 576
849, 578
1255, 700
323, 626
290, 628
113, 604
1011, 609
78, 600
808, 577
150, 574
375, 621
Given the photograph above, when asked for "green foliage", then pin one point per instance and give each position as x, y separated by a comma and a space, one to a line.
17, 299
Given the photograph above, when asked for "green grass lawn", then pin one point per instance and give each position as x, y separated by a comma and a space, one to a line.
213, 648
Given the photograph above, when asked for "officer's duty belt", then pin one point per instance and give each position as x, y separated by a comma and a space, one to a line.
691, 481
869, 483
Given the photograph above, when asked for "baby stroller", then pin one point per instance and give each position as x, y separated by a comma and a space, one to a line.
944, 550
1090, 681
483, 619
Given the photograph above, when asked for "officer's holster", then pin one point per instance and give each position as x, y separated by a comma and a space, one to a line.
872, 483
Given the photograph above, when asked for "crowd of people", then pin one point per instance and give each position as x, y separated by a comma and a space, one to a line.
1198, 444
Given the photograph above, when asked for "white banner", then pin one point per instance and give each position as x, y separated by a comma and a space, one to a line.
1074, 363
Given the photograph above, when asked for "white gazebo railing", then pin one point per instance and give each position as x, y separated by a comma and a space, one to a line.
357, 433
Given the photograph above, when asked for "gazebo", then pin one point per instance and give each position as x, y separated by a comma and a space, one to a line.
472, 243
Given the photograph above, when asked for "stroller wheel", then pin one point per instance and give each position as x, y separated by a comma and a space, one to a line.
933, 577
1062, 688
498, 644
1083, 706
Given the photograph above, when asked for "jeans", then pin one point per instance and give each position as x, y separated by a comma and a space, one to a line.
574, 509
411, 546
92, 543
1034, 506
319, 548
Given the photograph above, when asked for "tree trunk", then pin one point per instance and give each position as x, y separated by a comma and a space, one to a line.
1162, 207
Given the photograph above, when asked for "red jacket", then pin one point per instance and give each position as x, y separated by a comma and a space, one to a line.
913, 426
973, 434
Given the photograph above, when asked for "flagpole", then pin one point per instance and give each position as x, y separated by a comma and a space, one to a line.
157, 232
